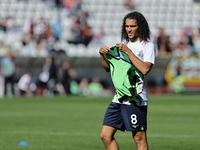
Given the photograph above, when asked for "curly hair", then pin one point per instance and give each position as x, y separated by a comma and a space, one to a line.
143, 31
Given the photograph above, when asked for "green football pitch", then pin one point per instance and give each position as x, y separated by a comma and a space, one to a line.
74, 123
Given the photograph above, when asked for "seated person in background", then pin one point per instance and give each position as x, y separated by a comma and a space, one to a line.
23, 84
95, 87
129, 4
83, 87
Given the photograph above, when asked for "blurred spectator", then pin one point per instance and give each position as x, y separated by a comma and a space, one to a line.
73, 28
48, 76
44, 37
155, 32
8, 72
163, 43
178, 81
40, 27
68, 75
95, 87
57, 29
44, 75
182, 49
41, 31
82, 34
76, 33
54, 3
50, 40
53, 77
68, 4
187, 36
82, 18
74, 87
50, 3
29, 27
129, 4
197, 41
23, 84
83, 90
33, 48
52, 69
10, 24
2, 25
68, 23
26, 50
59, 3
76, 7
86, 34
98, 36
40, 47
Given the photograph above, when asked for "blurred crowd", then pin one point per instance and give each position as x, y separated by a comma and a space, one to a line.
52, 80
187, 42
40, 36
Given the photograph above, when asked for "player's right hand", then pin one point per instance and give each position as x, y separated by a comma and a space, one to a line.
104, 50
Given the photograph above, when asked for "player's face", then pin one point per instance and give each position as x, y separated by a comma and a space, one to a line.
131, 28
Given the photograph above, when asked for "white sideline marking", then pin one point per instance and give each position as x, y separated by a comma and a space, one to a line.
94, 134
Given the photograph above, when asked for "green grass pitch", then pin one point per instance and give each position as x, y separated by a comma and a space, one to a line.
74, 123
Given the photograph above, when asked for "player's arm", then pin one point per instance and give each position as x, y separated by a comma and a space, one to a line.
104, 50
143, 67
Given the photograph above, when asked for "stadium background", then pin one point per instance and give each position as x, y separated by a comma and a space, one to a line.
178, 20
74, 122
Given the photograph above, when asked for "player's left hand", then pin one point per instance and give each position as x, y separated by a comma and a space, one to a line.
122, 47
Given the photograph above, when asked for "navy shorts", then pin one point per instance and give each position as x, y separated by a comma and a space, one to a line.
126, 117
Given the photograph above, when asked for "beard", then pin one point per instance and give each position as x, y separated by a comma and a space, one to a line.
133, 39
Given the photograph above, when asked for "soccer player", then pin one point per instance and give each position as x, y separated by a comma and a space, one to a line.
129, 112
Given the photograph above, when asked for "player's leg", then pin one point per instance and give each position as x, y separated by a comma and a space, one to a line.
113, 121
140, 140
135, 120
107, 136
